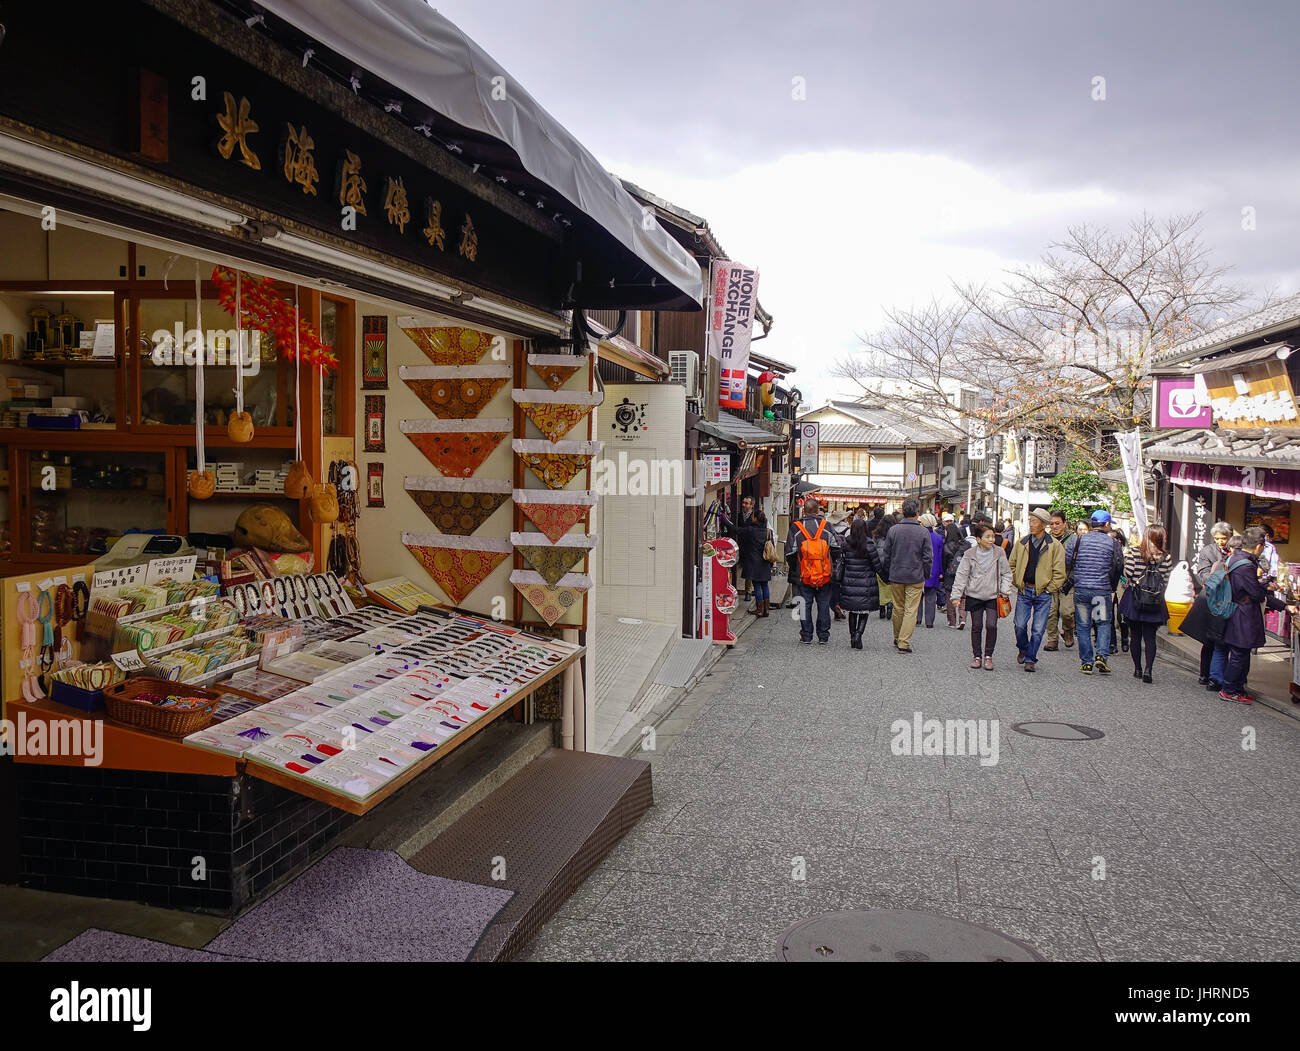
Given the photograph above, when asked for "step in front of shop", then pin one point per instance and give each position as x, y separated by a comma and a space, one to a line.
540, 835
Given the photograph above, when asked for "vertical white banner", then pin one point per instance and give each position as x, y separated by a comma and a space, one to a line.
1130, 451
733, 299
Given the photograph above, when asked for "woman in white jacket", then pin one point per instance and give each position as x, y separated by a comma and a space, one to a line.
983, 575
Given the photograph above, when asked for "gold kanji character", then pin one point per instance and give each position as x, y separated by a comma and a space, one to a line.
468, 240
237, 125
395, 205
351, 185
434, 233
299, 162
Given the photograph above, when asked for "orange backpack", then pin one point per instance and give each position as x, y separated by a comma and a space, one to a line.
814, 557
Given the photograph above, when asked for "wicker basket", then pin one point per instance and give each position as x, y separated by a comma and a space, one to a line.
124, 708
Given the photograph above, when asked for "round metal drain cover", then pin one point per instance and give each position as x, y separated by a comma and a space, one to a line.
1059, 731
898, 936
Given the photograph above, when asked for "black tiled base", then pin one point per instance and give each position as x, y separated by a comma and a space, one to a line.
214, 844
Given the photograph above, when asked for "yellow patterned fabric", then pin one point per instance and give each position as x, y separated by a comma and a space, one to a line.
451, 346
551, 603
454, 512
455, 570
552, 562
554, 419
555, 469
456, 399
554, 519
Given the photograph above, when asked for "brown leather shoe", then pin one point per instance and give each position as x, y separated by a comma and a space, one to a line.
1069, 643
1049, 646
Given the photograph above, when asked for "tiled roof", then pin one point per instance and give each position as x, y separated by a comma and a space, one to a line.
1209, 446
734, 429
1283, 312
885, 427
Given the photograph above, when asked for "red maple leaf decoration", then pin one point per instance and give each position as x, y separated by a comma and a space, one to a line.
266, 309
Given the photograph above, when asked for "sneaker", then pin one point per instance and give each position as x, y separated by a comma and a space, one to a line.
1029, 665
1246, 698
1212, 686
904, 649
806, 642
1086, 669
823, 642
1241, 698
1102, 667
1203, 682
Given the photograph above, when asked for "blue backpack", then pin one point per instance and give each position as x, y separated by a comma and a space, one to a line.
1218, 593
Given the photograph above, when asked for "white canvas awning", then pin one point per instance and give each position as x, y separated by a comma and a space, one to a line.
407, 44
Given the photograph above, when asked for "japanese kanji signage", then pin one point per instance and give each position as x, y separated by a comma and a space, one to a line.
733, 298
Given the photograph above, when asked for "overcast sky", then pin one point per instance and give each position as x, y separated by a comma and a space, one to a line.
936, 140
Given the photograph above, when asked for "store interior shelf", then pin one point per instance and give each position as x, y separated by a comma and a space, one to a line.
181, 644
59, 366
224, 671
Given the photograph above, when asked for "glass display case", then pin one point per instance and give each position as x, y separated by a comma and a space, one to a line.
80, 503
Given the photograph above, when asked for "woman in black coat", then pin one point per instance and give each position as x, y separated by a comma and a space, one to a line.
757, 569
859, 589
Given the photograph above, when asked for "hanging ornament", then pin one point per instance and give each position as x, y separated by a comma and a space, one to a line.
298, 482
201, 483
324, 506
240, 424
266, 310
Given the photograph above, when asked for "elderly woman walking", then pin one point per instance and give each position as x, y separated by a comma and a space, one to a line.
1206, 559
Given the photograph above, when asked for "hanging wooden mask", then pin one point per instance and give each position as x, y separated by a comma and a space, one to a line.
270, 529
298, 482
201, 484
240, 427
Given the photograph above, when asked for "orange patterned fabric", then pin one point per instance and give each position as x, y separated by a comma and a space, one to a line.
455, 570
457, 454
554, 419
556, 376
554, 520
551, 603
456, 399
555, 469
552, 562
451, 346
460, 513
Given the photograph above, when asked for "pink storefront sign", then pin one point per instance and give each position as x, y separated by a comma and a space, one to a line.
1176, 404
1275, 482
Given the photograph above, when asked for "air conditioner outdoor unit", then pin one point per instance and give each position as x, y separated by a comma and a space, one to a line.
685, 366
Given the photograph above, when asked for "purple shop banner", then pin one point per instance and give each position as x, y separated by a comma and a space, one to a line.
1176, 404
1278, 483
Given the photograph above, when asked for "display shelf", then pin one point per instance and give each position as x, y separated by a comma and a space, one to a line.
226, 669
181, 644
59, 366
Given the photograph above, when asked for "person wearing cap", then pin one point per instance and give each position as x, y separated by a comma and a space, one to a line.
1037, 573
1094, 562
907, 554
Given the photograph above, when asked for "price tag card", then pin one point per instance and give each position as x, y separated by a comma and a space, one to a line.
129, 660
176, 567
111, 579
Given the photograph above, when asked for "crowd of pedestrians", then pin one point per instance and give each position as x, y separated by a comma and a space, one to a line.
1085, 584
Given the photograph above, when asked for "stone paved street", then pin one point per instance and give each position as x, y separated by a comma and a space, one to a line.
789, 756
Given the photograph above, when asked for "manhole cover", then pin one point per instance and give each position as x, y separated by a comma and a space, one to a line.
1059, 731
898, 936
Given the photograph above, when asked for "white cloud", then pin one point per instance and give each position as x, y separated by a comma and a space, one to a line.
839, 236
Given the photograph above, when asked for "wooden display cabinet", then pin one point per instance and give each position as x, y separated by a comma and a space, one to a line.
128, 468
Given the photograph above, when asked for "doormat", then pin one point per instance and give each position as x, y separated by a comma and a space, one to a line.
365, 906
97, 946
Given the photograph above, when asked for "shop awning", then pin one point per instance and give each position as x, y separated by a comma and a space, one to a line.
407, 44
1270, 482
740, 433
1227, 362
624, 352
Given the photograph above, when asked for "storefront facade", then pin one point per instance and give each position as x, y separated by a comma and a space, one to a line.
452, 419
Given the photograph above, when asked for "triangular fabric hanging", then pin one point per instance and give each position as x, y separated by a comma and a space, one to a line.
552, 603
458, 506
457, 564
553, 517
556, 464
555, 559
554, 421
456, 399
447, 345
556, 470
457, 454
555, 370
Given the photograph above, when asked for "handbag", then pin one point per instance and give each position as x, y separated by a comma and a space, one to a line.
1004, 606
769, 549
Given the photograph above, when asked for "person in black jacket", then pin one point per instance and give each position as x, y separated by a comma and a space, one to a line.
859, 592
757, 569
954, 546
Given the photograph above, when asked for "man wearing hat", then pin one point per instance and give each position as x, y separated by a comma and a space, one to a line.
1038, 573
1095, 560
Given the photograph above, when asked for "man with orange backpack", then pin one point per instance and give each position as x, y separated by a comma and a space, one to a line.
815, 547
